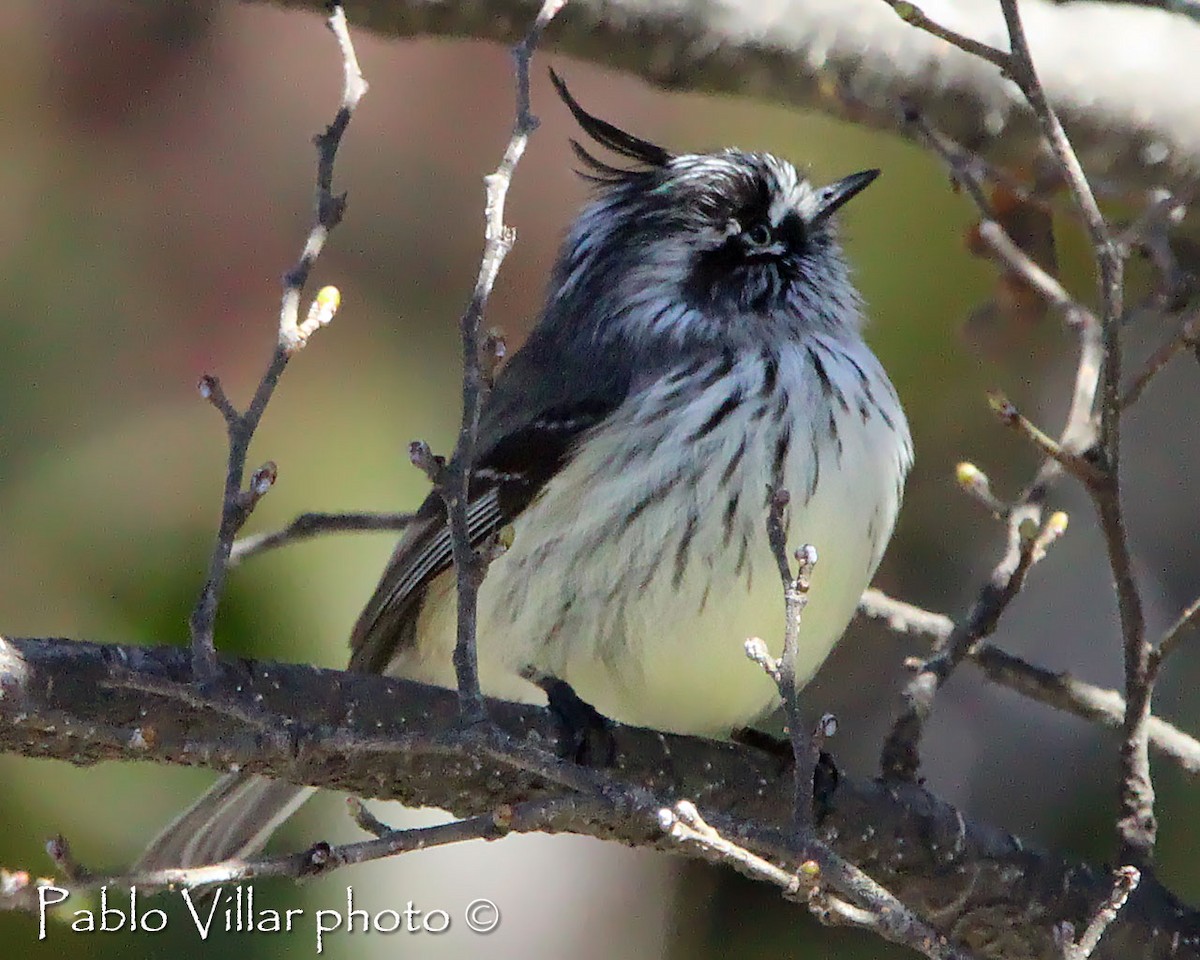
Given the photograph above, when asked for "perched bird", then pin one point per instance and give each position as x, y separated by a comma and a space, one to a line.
699, 348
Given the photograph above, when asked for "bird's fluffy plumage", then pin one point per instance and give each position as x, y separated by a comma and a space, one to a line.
699, 347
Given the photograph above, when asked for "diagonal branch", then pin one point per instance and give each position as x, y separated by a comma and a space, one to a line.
1027, 543
1053, 688
315, 524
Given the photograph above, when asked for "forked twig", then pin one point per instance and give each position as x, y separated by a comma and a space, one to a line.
236, 502
455, 481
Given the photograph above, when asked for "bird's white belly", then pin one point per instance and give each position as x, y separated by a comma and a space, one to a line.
647, 617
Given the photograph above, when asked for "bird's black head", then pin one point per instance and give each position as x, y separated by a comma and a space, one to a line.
705, 244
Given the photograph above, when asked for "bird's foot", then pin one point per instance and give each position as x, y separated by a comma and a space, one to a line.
584, 734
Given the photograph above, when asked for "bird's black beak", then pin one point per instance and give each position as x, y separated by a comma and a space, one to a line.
834, 196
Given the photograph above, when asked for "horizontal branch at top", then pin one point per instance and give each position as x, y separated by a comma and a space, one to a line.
1131, 117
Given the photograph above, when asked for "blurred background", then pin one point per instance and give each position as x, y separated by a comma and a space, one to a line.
156, 176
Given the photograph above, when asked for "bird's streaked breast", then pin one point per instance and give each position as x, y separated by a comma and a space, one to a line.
641, 568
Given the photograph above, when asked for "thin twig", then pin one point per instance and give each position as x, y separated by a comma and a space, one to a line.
683, 823
321, 858
874, 908
805, 750
1028, 540
1188, 335
1125, 881
366, 820
1174, 635
236, 502
821, 870
1028, 269
1052, 688
911, 13
312, 524
1072, 462
499, 238
975, 483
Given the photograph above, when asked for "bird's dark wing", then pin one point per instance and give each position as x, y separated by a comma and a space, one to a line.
528, 428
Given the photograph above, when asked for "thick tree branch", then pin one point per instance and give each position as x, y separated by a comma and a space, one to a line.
857, 60
378, 737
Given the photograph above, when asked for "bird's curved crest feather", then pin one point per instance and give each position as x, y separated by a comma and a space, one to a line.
613, 138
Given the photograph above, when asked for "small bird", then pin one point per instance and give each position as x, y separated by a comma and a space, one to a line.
700, 348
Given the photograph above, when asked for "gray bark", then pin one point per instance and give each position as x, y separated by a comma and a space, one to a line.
376, 737
1124, 78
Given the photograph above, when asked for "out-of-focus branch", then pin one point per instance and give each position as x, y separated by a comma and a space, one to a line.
1053, 688
320, 858
378, 737
313, 524
1188, 335
857, 60
1028, 539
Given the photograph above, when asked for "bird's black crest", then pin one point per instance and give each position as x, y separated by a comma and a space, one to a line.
612, 137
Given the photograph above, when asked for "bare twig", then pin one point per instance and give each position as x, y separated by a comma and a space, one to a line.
308, 525
821, 870
683, 823
1072, 462
1053, 688
1125, 881
899, 616
1174, 635
805, 750
321, 858
1027, 543
975, 483
366, 820
1188, 335
455, 487
911, 13
874, 908
236, 503
1028, 269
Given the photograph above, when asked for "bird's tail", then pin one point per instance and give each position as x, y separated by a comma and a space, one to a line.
234, 819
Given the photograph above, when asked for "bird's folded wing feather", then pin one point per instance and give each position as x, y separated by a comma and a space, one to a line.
527, 431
